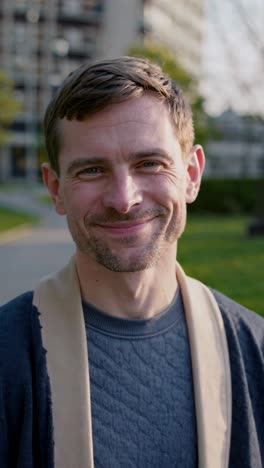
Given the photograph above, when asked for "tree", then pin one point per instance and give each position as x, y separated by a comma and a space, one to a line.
203, 124
9, 106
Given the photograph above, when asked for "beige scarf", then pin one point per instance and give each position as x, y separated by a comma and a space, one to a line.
58, 300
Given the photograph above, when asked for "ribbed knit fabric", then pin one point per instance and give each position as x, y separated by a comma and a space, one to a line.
143, 411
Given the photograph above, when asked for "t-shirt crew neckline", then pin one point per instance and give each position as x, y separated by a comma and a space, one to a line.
127, 328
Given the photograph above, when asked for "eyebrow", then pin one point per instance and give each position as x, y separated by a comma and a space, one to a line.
82, 162
85, 161
150, 153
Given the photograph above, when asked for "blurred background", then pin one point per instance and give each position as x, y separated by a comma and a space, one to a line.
215, 50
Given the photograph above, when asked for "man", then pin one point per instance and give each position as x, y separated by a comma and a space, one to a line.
173, 372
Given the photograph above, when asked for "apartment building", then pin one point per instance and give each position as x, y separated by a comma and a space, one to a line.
41, 41
238, 151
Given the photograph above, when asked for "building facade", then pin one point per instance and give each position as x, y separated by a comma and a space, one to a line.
41, 41
239, 149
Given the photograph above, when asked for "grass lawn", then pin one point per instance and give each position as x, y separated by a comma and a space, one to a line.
217, 251
10, 218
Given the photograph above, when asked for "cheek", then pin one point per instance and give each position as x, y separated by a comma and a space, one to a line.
170, 189
79, 199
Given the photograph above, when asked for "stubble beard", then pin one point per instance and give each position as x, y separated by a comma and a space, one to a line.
135, 258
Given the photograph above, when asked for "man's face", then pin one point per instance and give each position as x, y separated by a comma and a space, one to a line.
123, 184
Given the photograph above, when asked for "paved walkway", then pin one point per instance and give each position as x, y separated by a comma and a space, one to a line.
32, 253
25, 198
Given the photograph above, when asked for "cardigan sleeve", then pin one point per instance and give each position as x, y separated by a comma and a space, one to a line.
245, 337
24, 387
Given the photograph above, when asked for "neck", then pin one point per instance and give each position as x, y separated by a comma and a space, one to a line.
142, 294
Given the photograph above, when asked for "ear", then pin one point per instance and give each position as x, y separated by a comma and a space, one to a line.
52, 182
195, 167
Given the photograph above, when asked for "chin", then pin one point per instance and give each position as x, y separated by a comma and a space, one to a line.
127, 264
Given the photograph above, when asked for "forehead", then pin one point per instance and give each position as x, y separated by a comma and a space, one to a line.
138, 121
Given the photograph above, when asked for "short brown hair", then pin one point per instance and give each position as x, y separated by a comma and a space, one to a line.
92, 87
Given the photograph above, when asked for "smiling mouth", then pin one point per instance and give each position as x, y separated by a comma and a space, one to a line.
125, 227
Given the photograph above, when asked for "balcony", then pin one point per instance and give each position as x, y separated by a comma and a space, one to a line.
81, 51
91, 16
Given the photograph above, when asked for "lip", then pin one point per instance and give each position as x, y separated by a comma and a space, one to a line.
125, 227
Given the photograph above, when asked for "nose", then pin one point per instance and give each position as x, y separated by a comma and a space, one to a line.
122, 193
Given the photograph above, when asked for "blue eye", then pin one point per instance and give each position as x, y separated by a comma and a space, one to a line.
149, 163
91, 170
88, 172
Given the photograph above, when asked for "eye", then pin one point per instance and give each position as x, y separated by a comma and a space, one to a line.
151, 164
90, 171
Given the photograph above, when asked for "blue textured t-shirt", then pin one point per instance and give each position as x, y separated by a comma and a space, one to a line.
143, 412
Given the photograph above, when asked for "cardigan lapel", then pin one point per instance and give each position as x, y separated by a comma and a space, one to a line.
64, 337
58, 300
211, 371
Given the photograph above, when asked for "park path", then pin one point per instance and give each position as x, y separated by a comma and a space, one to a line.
32, 253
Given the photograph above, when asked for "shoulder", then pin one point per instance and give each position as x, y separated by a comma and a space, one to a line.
21, 301
238, 316
244, 330
16, 313
17, 324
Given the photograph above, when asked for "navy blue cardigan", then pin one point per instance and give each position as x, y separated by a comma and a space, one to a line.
26, 434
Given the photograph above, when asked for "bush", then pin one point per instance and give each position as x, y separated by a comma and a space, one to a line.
229, 196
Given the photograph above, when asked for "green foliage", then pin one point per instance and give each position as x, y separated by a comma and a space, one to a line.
227, 196
217, 251
203, 124
9, 106
165, 58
